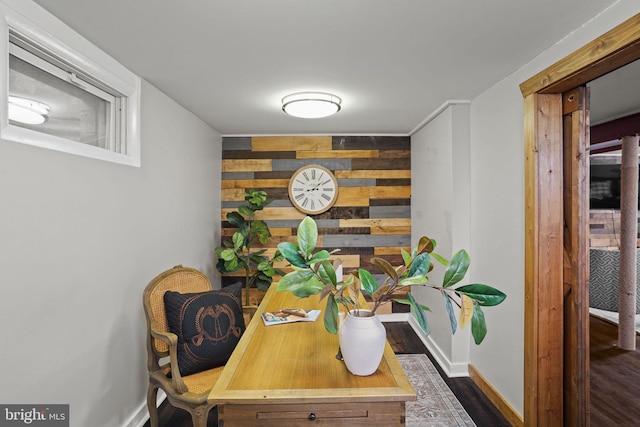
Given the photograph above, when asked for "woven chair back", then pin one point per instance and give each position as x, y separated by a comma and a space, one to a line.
178, 279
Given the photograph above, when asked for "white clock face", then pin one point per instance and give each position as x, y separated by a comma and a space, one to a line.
313, 189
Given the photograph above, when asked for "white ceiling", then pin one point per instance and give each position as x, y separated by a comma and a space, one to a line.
392, 62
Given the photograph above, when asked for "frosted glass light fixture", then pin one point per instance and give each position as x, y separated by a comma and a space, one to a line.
311, 105
27, 111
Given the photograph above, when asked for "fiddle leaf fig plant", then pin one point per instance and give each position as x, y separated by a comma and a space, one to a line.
237, 253
313, 273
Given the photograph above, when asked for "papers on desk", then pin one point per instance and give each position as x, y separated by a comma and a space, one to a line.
289, 316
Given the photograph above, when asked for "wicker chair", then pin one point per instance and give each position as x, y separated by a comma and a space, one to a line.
186, 392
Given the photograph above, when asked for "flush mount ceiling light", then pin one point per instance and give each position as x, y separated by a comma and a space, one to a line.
27, 111
311, 105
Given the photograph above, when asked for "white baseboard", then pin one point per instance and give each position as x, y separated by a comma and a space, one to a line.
141, 415
451, 369
394, 317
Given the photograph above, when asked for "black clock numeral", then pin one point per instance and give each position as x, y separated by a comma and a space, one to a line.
327, 198
313, 205
305, 175
327, 189
299, 196
313, 174
305, 202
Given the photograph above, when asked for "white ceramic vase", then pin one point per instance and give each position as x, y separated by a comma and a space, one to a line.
362, 339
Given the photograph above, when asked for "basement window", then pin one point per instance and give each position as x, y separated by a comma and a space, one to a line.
82, 103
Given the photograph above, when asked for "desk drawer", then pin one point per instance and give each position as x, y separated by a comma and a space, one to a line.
381, 414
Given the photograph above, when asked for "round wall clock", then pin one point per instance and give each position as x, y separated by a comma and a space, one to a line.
313, 189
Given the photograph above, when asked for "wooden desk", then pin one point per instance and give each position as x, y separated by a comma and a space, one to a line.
287, 375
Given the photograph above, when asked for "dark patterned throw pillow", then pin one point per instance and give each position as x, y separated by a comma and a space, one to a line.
208, 326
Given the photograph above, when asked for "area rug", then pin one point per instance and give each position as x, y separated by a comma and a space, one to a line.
436, 406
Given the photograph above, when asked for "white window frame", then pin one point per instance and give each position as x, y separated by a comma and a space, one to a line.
88, 64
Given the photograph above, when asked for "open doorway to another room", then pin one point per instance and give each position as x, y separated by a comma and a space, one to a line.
614, 372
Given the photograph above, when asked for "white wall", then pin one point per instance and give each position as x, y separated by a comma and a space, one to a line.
495, 208
440, 210
497, 203
80, 239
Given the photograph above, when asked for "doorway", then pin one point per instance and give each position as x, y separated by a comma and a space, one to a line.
546, 378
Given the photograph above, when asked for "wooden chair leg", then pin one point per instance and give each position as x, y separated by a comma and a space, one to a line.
200, 415
152, 398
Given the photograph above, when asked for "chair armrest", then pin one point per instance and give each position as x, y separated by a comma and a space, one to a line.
171, 340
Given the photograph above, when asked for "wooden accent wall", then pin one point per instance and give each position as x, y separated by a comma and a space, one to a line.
604, 228
372, 215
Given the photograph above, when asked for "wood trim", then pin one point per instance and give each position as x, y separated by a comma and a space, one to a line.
514, 418
543, 249
576, 257
612, 50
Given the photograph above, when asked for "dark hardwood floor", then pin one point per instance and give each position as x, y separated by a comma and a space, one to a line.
614, 378
403, 340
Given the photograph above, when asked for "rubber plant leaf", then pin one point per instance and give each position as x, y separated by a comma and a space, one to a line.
483, 294
319, 257
369, 283
420, 314
331, 315
327, 273
307, 236
294, 279
313, 286
450, 312
456, 269
406, 257
291, 253
420, 265
478, 325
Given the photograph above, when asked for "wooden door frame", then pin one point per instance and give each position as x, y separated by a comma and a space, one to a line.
543, 334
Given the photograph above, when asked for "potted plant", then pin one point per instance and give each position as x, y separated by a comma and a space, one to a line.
313, 273
237, 253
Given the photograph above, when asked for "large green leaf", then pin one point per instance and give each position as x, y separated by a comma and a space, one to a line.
245, 210
291, 253
235, 219
484, 294
420, 265
420, 314
319, 256
478, 325
416, 280
327, 273
450, 312
369, 283
406, 256
442, 260
313, 286
238, 241
260, 230
294, 279
227, 254
456, 269
307, 236
331, 315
